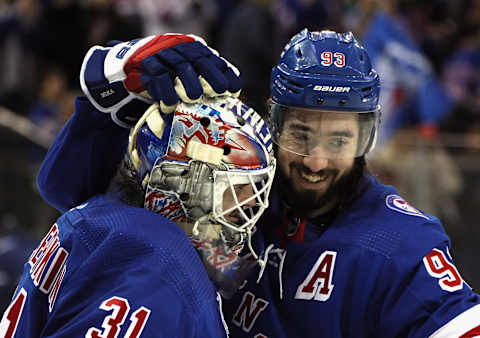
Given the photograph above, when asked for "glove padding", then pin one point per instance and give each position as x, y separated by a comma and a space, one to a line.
126, 79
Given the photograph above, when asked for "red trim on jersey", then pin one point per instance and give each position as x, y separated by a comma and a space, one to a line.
132, 68
296, 237
475, 332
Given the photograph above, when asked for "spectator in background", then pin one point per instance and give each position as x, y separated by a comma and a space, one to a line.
46, 112
52, 108
20, 45
106, 22
461, 76
411, 93
166, 16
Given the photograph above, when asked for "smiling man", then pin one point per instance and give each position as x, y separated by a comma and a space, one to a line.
316, 152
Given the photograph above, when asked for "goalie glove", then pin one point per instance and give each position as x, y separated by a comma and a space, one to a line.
124, 80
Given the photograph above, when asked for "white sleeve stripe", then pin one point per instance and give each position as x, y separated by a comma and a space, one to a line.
459, 325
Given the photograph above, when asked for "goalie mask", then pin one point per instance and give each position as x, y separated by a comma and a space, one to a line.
208, 167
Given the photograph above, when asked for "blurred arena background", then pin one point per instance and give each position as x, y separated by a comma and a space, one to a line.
426, 51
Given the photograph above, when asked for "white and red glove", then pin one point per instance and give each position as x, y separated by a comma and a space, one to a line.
125, 79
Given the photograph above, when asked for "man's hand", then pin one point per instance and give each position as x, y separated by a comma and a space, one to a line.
125, 79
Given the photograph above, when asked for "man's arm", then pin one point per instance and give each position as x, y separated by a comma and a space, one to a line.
82, 158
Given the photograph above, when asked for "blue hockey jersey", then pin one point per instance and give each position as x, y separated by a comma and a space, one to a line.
106, 269
382, 269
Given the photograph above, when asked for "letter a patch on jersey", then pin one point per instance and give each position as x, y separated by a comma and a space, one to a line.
318, 284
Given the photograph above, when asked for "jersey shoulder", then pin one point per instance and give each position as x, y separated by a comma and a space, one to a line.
106, 221
133, 237
381, 220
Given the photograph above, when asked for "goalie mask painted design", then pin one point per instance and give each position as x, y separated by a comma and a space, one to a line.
323, 83
207, 163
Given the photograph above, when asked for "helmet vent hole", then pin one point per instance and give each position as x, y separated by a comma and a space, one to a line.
226, 150
366, 89
320, 100
342, 102
299, 53
240, 120
205, 121
184, 173
184, 196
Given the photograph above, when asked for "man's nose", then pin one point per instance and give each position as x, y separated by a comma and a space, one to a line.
317, 160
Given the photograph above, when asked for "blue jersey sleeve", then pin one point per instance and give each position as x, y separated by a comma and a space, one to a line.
82, 158
422, 292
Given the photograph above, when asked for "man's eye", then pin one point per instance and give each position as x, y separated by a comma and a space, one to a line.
296, 136
337, 143
301, 136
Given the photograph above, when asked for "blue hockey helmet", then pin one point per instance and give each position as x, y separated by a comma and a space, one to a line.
323, 72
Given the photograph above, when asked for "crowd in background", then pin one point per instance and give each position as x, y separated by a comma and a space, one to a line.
426, 51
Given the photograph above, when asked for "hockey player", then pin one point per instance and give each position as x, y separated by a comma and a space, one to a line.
345, 255
128, 262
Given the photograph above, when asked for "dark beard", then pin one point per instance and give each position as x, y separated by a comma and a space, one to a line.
344, 190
